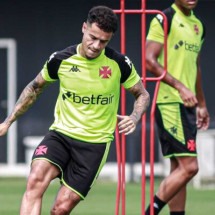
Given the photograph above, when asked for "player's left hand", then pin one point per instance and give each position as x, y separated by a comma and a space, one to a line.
3, 128
126, 124
203, 118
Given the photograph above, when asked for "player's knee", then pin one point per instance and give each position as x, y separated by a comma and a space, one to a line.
65, 205
32, 181
60, 210
192, 170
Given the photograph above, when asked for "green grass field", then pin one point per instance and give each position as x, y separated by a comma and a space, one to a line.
101, 199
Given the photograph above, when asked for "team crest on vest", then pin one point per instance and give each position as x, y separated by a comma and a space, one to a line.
105, 72
196, 29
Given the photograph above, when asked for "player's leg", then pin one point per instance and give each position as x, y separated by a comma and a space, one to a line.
65, 201
42, 172
177, 203
174, 185
49, 159
177, 132
87, 160
188, 166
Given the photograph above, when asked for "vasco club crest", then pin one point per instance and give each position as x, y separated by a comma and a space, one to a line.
105, 72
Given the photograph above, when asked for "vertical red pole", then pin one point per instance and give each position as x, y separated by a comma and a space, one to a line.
143, 123
121, 147
123, 108
119, 160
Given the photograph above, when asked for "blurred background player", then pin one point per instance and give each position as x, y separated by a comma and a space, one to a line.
181, 106
76, 147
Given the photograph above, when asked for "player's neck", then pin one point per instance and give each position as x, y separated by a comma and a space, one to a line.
185, 11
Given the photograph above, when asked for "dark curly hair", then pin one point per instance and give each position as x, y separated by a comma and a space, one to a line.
104, 17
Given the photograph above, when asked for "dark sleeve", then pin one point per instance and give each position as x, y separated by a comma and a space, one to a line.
169, 13
124, 63
55, 60
53, 65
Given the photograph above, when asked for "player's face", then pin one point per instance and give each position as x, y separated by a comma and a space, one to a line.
186, 5
94, 40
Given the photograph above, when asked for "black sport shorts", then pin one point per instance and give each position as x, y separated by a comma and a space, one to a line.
177, 129
79, 162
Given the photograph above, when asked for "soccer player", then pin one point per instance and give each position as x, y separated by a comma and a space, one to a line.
181, 106
76, 147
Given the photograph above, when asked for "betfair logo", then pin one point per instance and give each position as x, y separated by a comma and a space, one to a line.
93, 99
74, 69
192, 47
188, 46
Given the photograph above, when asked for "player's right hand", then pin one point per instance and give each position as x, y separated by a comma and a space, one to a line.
126, 124
188, 97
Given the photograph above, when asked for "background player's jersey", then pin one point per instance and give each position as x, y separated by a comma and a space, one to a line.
185, 38
89, 92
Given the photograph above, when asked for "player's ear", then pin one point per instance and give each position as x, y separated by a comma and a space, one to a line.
84, 27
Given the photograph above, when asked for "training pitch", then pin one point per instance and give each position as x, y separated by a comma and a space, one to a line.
101, 199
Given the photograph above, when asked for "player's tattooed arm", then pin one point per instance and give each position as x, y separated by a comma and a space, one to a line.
142, 100
127, 124
27, 98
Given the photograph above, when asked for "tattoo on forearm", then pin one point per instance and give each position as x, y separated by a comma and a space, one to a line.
26, 99
142, 101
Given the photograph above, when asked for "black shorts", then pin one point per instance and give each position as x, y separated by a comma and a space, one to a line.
177, 129
79, 162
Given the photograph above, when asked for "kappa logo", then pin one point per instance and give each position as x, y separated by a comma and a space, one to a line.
128, 61
160, 18
105, 72
52, 56
41, 150
74, 69
156, 205
174, 130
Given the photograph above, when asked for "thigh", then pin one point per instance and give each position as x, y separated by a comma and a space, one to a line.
54, 148
187, 162
43, 170
41, 174
87, 160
